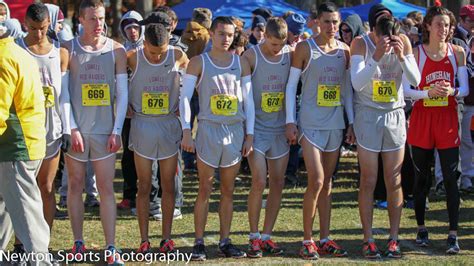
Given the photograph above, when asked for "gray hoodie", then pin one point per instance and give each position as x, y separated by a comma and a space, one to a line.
53, 15
129, 16
8, 9
354, 22
14, 28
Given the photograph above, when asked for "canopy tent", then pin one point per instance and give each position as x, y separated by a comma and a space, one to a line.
399, 9
238, 8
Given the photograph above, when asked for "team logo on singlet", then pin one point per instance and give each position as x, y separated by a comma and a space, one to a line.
438, 75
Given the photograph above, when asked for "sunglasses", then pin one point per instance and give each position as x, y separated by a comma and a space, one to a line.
346, 30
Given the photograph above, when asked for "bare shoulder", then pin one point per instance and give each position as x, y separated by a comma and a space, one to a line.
249, 55
118, 45
195, 66
301, 48
131, 53
460, 55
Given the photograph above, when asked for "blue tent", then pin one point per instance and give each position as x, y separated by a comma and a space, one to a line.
238, 8
399, 9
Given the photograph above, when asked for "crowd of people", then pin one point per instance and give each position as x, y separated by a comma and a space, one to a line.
397, 89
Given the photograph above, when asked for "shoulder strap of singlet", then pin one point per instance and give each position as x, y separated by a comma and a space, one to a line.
138, 54
309, 41
238, 63
203, 62
421, 57
364, 38
256, 50
452, 57
173, 50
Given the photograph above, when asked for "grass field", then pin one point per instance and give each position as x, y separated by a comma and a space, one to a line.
346, 227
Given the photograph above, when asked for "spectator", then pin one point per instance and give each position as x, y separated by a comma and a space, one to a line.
239, 44
4, 11
465, 27
312, 22
196, 35
295, 24
262, 11
131, 31
258, 30
417, 17
351, 28
14, 28
462, 35
175, 40
57, 17
23, 146
133, 34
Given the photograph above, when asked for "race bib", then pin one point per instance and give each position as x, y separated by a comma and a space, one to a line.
384, 91
434, 101
155, 103
95, 95
272, 101
329, 95
49, 96
223, 104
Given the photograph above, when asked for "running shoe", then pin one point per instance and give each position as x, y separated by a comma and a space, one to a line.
271, 247
91, 201
125, 204
330, 247
422, 239
255, 248
230, 251
77, 248
309, 251
393, 249
114, 257
453, 245
370, 251
167, 246
145, 247
199, 253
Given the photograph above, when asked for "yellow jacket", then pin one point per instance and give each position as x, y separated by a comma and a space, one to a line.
22, 113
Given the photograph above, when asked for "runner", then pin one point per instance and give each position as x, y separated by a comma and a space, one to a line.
52, 62
270, 64
224, 90
98, 75
378, 62
155, 129
434, 120
323, 63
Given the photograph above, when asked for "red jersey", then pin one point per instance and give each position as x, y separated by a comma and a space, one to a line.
433, 72
434, 122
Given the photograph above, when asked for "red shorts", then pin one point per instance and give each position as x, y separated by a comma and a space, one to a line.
472, 123
430, 129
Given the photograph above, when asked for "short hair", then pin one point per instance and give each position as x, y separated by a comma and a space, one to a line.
156, 34
90, 3
313, 13
221, 20
167, 10
387, 26
276, 27
37, 12
328, 7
